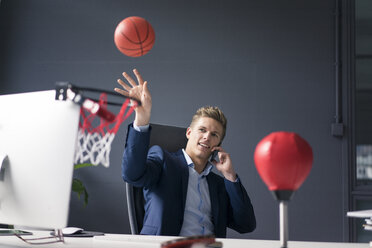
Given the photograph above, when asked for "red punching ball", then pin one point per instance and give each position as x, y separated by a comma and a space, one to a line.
283, 160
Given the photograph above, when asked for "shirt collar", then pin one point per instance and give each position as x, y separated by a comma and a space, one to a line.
189, 162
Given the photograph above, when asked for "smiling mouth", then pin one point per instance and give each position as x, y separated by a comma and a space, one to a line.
204, 145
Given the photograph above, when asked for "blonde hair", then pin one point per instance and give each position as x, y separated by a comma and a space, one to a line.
214, 113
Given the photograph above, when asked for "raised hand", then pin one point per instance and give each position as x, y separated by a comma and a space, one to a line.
139, 92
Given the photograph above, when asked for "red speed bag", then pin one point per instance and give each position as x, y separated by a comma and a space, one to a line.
283, 160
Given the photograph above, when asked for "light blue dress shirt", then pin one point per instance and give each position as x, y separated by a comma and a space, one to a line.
197, 219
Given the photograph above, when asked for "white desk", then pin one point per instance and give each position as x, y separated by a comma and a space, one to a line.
136, 241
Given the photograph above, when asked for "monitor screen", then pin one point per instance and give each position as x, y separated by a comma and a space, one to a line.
37, 144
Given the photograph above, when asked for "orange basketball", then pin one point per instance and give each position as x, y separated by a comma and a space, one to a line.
134, 36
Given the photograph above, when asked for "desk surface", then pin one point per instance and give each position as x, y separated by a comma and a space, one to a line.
128, 241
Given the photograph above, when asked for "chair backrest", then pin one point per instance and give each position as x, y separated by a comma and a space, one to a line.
169, 138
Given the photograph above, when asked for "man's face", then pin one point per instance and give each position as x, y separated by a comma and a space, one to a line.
204, 134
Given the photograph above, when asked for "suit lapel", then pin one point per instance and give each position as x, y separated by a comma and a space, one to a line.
213, 193
184, 176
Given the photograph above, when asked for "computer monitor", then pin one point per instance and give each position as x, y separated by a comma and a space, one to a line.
37, 144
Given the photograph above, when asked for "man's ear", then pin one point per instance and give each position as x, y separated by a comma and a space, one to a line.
188, 131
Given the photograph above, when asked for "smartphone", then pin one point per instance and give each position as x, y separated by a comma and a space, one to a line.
213, 155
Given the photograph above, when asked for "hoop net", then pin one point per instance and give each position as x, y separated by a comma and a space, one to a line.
94, 143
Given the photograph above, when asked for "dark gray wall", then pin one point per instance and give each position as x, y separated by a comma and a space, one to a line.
267, 64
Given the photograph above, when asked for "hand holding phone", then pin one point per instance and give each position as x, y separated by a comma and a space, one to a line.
222, 162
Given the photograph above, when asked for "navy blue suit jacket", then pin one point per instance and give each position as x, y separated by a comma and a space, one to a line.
164, 177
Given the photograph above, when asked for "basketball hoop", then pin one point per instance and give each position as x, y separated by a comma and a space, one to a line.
94, 143
94, 140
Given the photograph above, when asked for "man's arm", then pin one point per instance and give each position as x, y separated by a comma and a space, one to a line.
134, 168
241, 213
141, 167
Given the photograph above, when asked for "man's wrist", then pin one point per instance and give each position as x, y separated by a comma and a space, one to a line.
141, 121
232, 177
143, 128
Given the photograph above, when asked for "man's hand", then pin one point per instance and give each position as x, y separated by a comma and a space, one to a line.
224, 165
139, 92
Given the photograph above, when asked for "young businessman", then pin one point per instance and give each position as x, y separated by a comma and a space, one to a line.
183, 197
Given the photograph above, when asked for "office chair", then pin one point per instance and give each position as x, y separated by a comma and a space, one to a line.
169, 138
